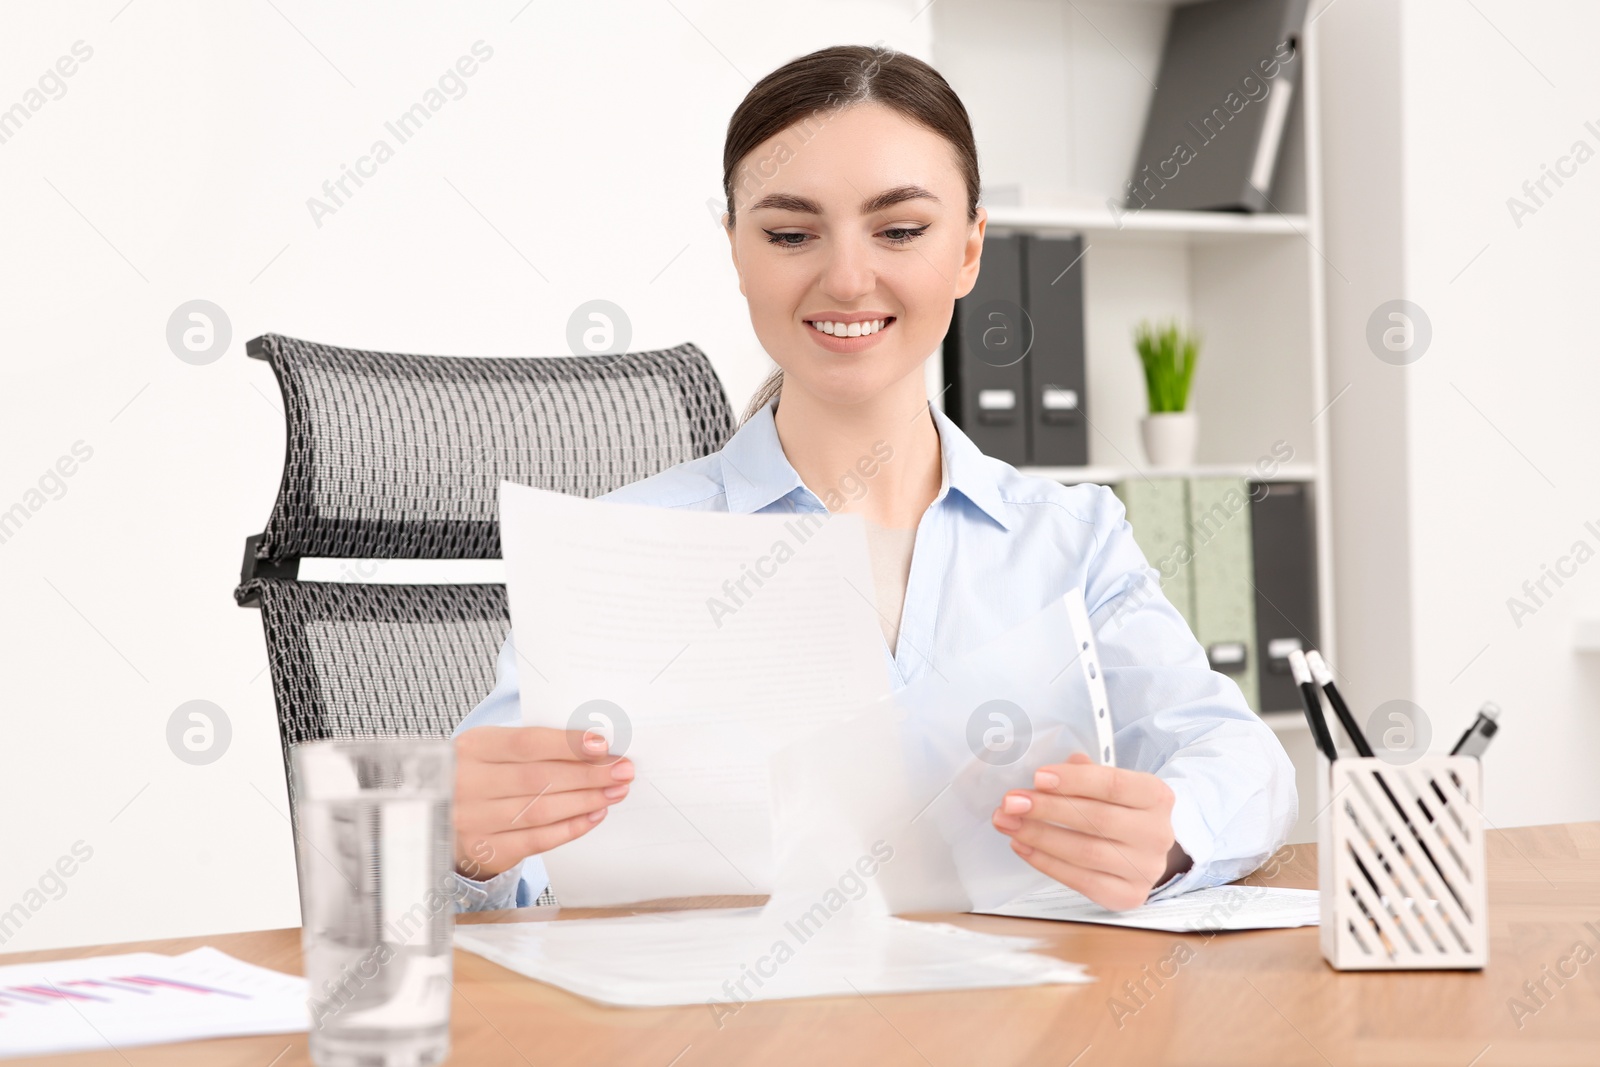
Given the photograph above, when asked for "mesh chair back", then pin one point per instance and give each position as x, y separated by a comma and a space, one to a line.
399, 457
364, 660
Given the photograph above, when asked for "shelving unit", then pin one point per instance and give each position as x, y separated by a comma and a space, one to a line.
1065, 128
1104, 224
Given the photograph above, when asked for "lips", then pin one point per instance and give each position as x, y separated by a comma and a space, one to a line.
845, 344
849, 327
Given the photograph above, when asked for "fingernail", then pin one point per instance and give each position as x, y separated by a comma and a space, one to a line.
616, 792
1016, 803
622, 772
594, 742
1008, 823
597, 814
1046, 779
1021, 849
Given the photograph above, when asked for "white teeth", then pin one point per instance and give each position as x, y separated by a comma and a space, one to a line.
853, 329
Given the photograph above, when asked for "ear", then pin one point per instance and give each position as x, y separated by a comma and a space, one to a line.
733, 251
967, 277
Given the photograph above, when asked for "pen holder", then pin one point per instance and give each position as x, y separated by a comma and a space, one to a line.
1400, 864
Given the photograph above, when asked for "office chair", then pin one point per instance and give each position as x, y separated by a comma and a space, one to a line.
399, 457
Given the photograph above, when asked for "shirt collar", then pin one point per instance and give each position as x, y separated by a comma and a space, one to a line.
755, 472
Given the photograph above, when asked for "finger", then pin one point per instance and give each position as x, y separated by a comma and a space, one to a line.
1129, 826
537, 839
518, 813
1106, 890
525, 744
489, 840
1114, 785
495, 780
1090, 852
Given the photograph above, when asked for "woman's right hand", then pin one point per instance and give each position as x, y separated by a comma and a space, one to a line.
522, 790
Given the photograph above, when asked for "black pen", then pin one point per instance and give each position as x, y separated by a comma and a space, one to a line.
1479, 734
1473, 742
1308, 695
1324, 678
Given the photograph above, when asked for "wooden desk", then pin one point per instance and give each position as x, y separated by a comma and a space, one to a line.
1262, 997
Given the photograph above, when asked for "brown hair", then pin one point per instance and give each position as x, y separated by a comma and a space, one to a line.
810, 89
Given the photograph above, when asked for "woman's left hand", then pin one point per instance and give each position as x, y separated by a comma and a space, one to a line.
1104, 831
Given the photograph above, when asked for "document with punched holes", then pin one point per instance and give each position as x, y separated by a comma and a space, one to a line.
700, 642
923, 770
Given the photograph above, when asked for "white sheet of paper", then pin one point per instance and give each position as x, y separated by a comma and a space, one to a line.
1223, 907
726, 958
143, 998
920, 773
715, 639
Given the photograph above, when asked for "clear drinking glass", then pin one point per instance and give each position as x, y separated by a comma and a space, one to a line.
376, 859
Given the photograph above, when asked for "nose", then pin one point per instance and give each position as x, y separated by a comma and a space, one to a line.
848, 273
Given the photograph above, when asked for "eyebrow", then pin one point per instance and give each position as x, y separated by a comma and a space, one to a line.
806, 206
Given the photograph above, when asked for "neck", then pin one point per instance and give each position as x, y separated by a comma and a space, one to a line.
878, 458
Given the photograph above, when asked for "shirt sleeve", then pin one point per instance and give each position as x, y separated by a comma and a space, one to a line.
1233, 785
519, 886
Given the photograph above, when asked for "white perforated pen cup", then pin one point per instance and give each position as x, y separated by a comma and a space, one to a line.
1400, 864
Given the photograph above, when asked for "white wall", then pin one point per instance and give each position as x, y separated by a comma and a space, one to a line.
1463, 474
177, 165
1067, 116
1503, 432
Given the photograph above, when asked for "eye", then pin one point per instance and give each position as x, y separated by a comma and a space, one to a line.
782, 239
907, 234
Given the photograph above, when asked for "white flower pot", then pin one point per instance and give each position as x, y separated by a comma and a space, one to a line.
1170, 438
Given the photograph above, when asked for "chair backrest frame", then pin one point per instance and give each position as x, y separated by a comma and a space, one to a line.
299, 617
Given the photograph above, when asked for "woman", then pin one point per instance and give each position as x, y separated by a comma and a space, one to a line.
853, 221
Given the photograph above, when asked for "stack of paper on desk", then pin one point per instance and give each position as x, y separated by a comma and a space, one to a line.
725, 958
143, 998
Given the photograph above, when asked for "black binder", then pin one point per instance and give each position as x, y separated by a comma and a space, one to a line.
985, 350
1229, 74
1283, 536
1056, 384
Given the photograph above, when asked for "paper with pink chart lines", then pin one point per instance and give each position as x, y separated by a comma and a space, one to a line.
143, 998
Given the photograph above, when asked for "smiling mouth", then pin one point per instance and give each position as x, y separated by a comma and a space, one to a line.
851, 329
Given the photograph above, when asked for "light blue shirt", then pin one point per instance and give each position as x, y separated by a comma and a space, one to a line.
995, 547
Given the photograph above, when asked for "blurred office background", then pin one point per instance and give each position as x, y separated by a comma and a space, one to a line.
581, 160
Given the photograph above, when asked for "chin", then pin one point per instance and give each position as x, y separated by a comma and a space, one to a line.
841, 386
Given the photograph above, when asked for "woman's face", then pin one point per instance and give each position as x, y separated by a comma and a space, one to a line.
856, 214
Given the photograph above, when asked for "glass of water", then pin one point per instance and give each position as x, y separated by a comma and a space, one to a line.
375, 850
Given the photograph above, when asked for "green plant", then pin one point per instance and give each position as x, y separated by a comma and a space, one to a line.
1168, 354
